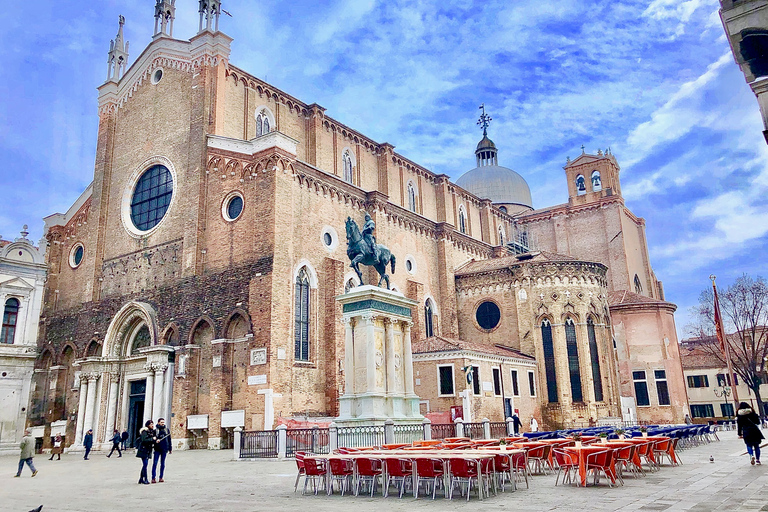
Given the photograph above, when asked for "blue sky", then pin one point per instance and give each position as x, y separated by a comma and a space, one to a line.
655, 81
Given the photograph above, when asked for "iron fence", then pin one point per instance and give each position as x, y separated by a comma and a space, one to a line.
474, 431
408, 433
311, 440
258, 445
498, 429
353, 437
443, 430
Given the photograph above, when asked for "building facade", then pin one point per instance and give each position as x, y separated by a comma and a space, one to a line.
22, 278
214, 249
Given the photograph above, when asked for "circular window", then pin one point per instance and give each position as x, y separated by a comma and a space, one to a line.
76, 255
488, 315
232, 206
410, 264
151, 197
157, 76
329, 238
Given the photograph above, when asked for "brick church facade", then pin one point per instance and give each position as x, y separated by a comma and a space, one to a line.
212, 250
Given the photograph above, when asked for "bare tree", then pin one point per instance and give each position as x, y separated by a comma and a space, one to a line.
744, 306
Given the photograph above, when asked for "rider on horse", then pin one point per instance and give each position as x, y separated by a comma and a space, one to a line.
367, 233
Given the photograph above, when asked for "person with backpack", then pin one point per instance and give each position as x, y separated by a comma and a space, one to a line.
748, 423
116, 444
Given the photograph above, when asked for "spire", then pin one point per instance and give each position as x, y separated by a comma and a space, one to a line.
486, 152
165, 13
117, 60
210, 10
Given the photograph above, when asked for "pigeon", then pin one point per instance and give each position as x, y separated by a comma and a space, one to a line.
711, 458
38, 509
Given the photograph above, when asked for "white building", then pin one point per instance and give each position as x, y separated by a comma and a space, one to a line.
22, 277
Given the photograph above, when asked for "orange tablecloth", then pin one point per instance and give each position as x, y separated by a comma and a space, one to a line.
581, 453
622, 444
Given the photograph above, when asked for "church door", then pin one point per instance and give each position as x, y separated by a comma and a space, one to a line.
136, 410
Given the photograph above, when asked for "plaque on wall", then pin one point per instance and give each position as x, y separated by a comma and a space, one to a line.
197, 422
258, 356
255, 380
216, 361
231, 419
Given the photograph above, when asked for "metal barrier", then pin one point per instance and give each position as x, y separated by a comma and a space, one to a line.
474, 430
258, 445
443, 430
408, 433
352, 437
498, 429
312, 440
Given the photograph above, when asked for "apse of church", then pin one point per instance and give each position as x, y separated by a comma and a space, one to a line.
197, 276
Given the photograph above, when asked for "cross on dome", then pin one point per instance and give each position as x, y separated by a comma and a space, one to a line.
484, 121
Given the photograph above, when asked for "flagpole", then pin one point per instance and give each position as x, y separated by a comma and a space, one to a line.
724, 345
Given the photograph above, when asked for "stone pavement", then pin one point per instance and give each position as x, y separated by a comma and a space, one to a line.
210, 481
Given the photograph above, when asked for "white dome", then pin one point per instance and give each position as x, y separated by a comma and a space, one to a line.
499, 184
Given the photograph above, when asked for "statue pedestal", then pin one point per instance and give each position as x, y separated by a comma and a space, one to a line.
378, 365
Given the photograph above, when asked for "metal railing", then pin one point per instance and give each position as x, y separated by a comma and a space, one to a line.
408, 433
498, 429
312, 440
474, 430
258, 445
443, 430
368, 435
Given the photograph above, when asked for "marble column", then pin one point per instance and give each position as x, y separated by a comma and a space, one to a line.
370, 353
168, 390
114, 378
90, 402
157, 400
349, 356
81, 410
149, 393
407, 359
389, 326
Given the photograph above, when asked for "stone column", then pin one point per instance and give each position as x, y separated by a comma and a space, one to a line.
389, 326
81, 411
90, 402
114, 378
157, 399
370, 355
149, 393
349, 357
168, 389
407, 359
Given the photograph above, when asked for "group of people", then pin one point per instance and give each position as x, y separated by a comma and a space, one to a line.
154, 442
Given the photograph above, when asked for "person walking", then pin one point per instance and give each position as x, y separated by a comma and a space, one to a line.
88, 443
124, 439
534, 425
748, 423
116, 444
516, 424
27, 453
163, 447
57, 447
147, 438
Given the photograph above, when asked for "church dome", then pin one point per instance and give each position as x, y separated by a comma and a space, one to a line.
485, 143
497, 183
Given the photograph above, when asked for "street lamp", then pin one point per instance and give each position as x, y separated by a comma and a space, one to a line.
723, 393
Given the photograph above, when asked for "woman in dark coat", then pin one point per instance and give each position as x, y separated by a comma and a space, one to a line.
144, 449
749, 429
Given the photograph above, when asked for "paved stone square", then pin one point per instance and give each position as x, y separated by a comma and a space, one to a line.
210, 481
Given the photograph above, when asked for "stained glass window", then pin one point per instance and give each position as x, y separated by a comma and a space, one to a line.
549, 360
573, 360
151, 197
301, 316
596, 376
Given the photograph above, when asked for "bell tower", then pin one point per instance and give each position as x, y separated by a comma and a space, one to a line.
117, 60
210, 10
165, 13
592, 177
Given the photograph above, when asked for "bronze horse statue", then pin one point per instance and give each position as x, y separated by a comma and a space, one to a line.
359, 251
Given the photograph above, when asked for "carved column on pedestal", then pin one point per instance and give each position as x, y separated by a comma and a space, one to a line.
157, 399
149, 392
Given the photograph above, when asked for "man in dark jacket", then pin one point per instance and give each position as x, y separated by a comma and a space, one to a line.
88, 443
748, 423
124, 439
115, 444
163, 446
516, 424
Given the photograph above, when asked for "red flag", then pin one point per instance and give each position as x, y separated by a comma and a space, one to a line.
718, 323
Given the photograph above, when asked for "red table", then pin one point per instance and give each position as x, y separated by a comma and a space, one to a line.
582, 452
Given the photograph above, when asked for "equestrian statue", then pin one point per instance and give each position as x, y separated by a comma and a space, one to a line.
362, 248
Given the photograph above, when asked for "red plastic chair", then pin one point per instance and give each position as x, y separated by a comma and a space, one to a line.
342, 471
314, 469
368, 470
520, 465
625, 459
461, 471
300, 465
504, 469
433, 469
539, 457
566, 463
601, 462
398, 470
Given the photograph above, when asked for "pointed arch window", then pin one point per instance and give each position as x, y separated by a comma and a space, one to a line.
411, 197
301, 316
141, 339
346, 159
462, 220
581, 185
502, 238
638, 285
597, 184
428, 319
595, 357
573, 360
549, 360
262, 124
10, 317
